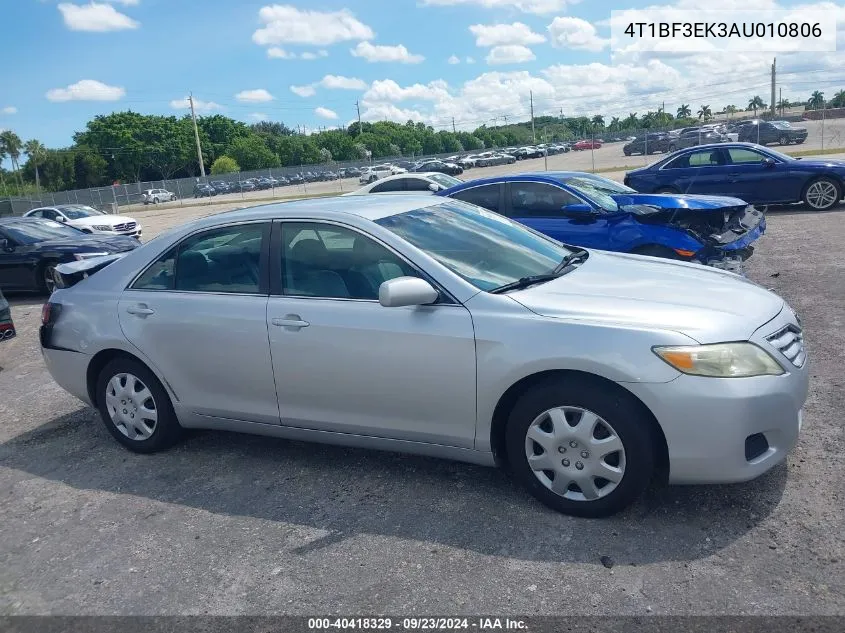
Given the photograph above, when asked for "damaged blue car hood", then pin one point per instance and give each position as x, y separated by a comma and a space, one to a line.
676, 201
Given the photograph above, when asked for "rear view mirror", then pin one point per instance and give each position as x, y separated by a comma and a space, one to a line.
579, 209
406, 291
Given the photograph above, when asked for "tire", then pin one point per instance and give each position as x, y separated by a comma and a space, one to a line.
783, 140
626, 152
547, 421
138, 435
44, 276
822, 194
672, 148
155, 200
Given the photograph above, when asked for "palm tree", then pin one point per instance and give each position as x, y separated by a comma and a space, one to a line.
755, 103
782, 105
614, 123
2, 158
631, 120
816, 100
684, 111
838, 99
598, 121
37, 153
11, 143
704, 112
731, 109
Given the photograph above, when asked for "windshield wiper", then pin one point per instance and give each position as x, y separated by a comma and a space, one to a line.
575, 257
524, 282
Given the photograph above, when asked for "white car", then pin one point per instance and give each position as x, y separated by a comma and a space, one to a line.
377, 172
155, 196
88, 219
409, 183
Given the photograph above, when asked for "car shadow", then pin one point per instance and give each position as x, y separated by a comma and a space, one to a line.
345, 492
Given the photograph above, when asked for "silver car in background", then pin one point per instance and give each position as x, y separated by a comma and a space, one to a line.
431, 326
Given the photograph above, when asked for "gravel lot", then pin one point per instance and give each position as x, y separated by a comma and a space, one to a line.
228, 524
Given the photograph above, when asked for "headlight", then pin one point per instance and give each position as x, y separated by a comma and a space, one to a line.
101, 227
81, 256
722, 360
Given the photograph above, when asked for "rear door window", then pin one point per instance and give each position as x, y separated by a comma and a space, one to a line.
538, 200
397, 184
486, 196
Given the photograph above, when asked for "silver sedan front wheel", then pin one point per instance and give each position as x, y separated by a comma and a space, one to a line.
575, 453
131, 406
822, 194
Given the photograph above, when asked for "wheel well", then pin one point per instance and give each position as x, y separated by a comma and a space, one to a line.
100, 360
510, 397
839, 183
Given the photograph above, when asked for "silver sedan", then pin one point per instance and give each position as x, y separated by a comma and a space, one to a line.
430, 326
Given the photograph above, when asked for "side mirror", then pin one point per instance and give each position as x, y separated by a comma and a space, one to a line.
61, 218
768, 162
6, 245
406, 291
577, 210
434, 187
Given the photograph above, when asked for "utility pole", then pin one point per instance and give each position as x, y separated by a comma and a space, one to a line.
533, 134
774, 74
196, 135
453, 126
358, 107
780, 100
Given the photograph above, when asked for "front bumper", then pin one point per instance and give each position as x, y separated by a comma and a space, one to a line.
709, 422
730, 256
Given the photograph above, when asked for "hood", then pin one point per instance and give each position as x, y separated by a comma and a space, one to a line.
101, 220
706, 304
821, 163
88, 243
677, 201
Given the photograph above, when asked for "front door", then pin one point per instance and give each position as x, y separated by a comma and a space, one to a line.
199, 314
756, 182
344, 363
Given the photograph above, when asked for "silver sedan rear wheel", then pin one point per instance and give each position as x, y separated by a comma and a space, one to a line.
575, 453
131, 406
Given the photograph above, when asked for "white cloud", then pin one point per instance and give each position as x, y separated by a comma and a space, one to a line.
336, 82
389, 90
9, 110
127, 3
526, 6
285, 24
276, 52
500, 34
376, 53
254, 96
303, 91
390, 112
86, 90
454, 59
95, 17
259, 116
325, 113
199, 105
566, 32
510, 54
470, 60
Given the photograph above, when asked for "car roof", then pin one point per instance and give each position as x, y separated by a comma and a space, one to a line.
551, 177
11, 221
369, 207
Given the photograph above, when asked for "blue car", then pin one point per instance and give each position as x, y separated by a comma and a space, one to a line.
588, 210
758, 175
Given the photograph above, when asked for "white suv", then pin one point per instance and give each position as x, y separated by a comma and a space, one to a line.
371, 174
155, 196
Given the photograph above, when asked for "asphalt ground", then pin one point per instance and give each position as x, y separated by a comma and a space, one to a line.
234, 524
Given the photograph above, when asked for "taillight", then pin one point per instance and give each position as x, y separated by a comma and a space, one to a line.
50, 313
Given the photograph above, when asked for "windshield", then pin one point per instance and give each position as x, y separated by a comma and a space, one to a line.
598, 190
485, 248
77, 213
444, 181
782, 125
39, 231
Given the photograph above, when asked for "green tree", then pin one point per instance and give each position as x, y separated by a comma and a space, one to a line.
684, 111
12, 146
705, 113
598, 121
731, 109
250, 152
36, 153
755, 103
816, 100
838, 100
224, 165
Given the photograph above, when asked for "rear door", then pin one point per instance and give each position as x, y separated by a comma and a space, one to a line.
16, 264
702, 171
199, 313
539, 206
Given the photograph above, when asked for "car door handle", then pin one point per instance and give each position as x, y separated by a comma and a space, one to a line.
733, 177
140, 310
292, 321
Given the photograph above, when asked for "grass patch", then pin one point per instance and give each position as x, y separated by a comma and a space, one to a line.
817, 152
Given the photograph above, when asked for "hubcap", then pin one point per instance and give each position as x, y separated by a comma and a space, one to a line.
49, 280
821, 194
131, 406
599, 454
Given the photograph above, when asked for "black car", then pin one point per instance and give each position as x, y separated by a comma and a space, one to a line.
31, 248
221, 187
243, 185
204, 191
649, 144
766, 132
439, 166
694, 137
296, 179
7, 326
527, 152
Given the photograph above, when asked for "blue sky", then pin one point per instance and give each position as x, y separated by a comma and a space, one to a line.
245, 59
